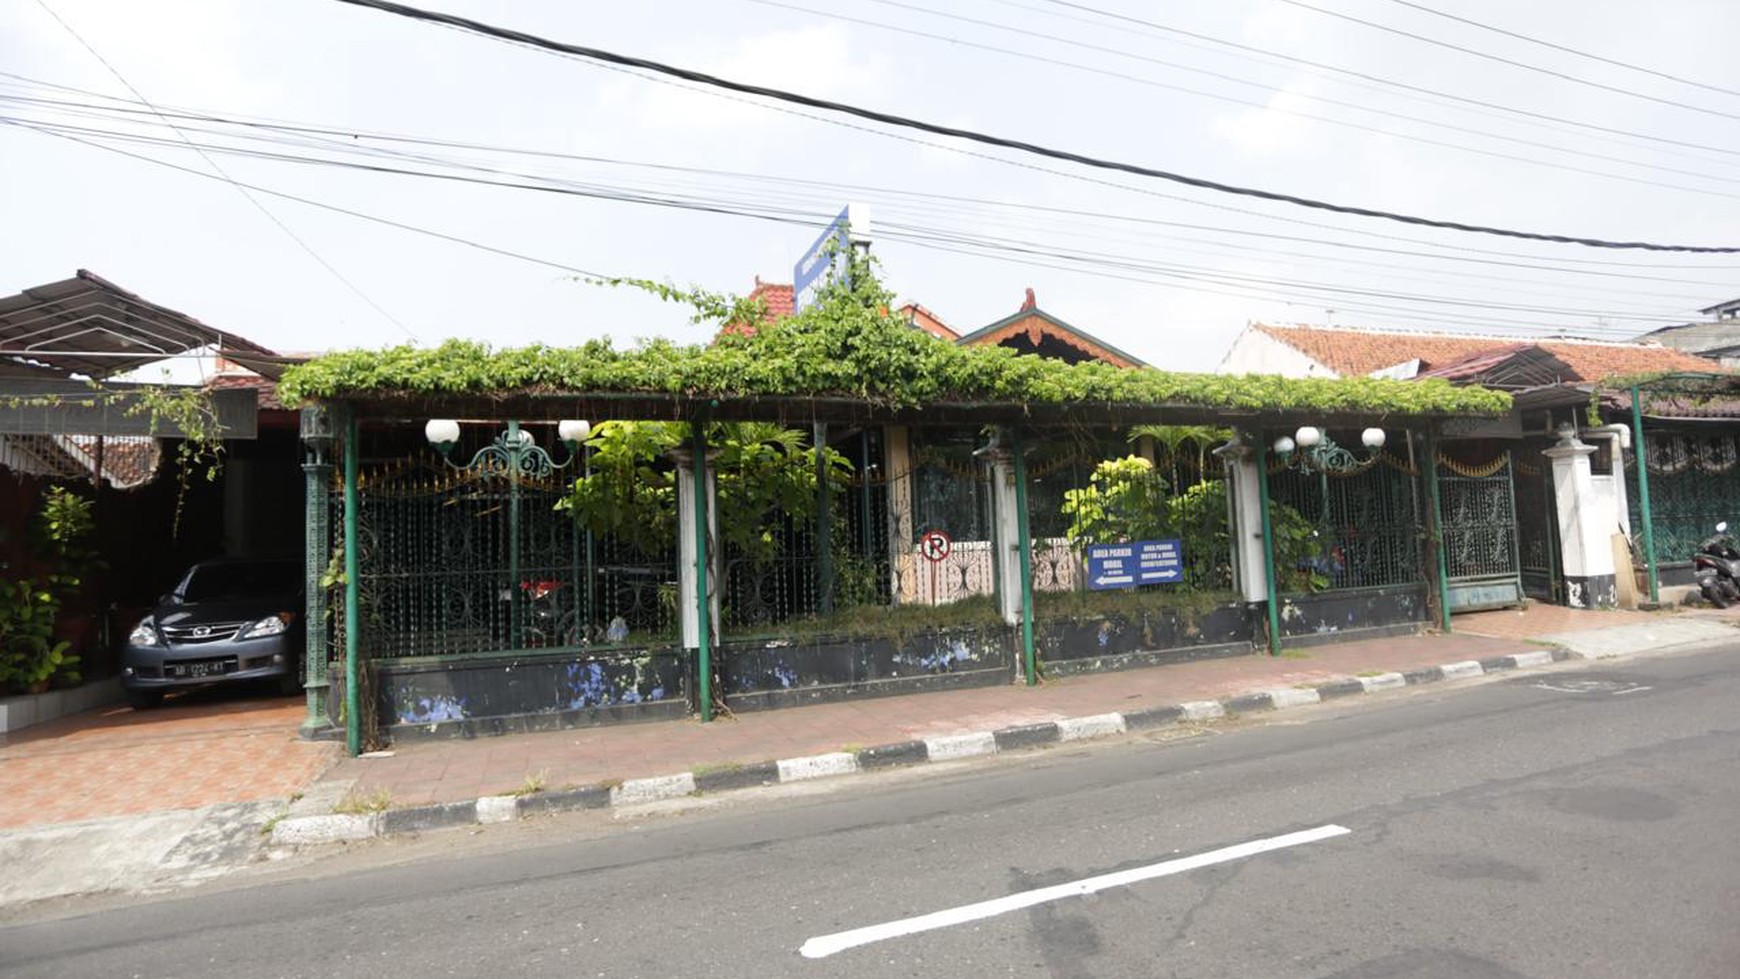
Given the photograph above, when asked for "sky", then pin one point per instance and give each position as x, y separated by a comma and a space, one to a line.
1330, 109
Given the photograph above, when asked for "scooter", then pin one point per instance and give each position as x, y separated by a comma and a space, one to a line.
1716, 565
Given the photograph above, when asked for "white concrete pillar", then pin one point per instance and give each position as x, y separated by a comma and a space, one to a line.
1005, 532
1245, 520
687, 580
1612, 486
1585, 525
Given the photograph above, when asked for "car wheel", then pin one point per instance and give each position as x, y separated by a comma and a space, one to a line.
144, 699
290, 684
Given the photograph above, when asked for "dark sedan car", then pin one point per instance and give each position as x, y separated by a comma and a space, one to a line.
229, 620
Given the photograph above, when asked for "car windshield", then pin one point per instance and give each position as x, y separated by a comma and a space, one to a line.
215, 582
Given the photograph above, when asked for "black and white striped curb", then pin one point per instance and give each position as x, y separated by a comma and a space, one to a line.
336, 827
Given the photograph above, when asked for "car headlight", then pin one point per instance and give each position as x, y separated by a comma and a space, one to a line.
271, 625
143, 634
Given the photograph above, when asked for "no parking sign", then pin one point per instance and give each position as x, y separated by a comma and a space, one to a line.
935, 545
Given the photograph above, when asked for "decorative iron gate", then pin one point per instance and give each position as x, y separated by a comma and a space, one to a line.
1537, 513
1480, 533
1694, 483
1366, 515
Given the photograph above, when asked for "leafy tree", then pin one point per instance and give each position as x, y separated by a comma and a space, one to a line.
764, 476
1125, 500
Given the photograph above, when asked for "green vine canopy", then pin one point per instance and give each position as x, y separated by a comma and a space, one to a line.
850, 343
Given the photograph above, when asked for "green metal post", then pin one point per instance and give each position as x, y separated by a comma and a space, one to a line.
1274, 587
1435, 526
703, 610
514, 589
864, 489
316, 552
824, 524
1643, 493
352, 612
584, 625
1030, 665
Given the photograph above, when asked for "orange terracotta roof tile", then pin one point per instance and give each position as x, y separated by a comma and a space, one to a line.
929, 322
1351, 352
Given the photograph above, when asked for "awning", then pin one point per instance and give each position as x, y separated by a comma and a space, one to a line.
87, 325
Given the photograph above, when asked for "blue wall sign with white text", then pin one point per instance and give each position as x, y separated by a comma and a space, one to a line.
822, 261
1142, 562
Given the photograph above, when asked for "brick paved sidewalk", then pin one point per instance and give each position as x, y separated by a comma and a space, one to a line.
422, 772
215, 746
205, 748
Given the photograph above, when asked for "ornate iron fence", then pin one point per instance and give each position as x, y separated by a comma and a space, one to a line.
1694, 483
440, 574
1367, 518
1481, 551
1479, 517
1057, 561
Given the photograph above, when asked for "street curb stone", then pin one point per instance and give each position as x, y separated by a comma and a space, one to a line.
960, 746
302, 830
737, 777
894, 755
1026, 736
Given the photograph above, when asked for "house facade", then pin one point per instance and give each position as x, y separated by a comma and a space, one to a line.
1580, 514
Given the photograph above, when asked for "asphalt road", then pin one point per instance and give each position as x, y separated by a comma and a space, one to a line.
1569, 823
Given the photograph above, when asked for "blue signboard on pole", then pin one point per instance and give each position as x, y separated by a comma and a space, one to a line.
1142, 562
828, 257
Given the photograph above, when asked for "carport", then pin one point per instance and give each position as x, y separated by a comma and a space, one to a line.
65, 420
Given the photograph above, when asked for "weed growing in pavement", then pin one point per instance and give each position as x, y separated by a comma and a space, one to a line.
533, 783
272, 824
361, 805
716, 768
1370, 673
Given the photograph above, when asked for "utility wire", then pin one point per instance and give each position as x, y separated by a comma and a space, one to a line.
328, 266
322, 205
1088, 263
1562, 48
350, 136
545, 44
1500, 59
1266, 107
1325, 70
1056, 220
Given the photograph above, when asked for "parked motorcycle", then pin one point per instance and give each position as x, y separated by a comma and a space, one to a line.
1716, 565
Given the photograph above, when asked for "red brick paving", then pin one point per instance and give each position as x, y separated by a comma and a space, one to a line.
199, 750
218, 747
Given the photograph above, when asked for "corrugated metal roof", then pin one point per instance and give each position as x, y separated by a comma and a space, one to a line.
88, 325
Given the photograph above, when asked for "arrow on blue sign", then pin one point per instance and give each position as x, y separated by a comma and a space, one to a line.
1148, 562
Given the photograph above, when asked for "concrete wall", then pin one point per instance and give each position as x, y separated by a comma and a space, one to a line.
1256, 352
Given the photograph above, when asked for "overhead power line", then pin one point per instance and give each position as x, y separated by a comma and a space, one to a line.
1512, 62
1099, 264
1564, 49
890, 119
293, 236
1460, 147
1325, 70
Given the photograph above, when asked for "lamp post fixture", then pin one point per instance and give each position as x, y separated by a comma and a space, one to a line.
514, 454
1317, 452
